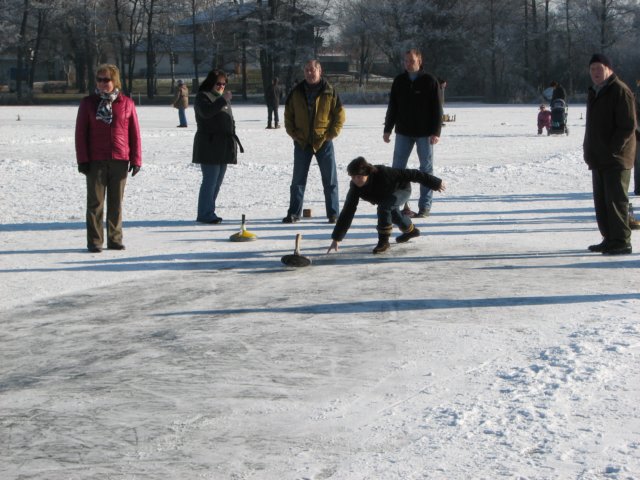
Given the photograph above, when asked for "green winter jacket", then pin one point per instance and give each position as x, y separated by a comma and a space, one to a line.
327, 122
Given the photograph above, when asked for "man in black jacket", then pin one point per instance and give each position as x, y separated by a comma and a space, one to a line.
415, 111
389, 188
609, 151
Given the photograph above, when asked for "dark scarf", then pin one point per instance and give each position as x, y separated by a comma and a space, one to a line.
312, 92
105, 108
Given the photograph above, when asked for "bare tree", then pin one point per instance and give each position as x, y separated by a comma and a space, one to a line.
129, 21
357, 29
149, 9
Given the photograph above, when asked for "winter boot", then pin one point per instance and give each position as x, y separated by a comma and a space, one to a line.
383, 239
269, 127
383, 244
277, 125
411, 232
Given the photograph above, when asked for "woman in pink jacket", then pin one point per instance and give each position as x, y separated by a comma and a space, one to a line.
107, 146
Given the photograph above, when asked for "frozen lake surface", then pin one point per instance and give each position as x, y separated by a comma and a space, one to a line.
493, 346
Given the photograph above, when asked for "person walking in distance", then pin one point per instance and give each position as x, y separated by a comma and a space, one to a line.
636, 165
609, 150
415, 111
313, 117
272, 96
181, 102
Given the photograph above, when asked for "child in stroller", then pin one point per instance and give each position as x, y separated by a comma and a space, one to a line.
544, 119
559, 117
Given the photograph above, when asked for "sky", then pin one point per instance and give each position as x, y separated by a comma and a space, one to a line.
492, 346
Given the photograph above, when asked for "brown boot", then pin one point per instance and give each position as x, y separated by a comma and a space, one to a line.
383, 239
383, 244
411, 232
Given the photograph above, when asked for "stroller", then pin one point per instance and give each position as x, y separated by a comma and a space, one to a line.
559, 111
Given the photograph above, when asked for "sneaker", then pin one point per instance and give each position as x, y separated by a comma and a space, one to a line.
116, 246
94, 249
423, 213
408, 212
405, 237
333, 219
623, 250
600, 247
291, 219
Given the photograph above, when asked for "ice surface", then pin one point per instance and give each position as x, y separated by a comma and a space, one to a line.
493, 346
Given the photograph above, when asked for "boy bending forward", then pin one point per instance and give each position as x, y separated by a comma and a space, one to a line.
387, 187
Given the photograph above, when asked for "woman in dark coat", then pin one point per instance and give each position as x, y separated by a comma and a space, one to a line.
215, 144
389, 189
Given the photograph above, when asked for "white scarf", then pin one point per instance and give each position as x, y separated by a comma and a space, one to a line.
105, 110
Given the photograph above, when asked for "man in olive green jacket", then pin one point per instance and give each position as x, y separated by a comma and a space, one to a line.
313, 117
609, 151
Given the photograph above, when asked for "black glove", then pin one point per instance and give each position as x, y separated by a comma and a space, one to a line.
134, 169
84, 168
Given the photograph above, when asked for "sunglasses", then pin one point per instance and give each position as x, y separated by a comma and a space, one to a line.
103, 79
221, 84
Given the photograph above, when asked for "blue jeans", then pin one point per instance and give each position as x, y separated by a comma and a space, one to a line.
327, 163
389, 211
212, 177
401, 152
182, 116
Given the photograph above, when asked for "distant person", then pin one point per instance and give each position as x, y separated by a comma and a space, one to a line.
636, 165
442, 83
609, 151
544, 119
558, 91
415, 111
107, 147
313, 117
388, 188
215, 144
181, 102
272, 95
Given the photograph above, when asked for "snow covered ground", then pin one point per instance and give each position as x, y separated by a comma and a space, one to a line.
493, 346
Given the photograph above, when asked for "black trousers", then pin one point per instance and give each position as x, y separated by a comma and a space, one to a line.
612, 205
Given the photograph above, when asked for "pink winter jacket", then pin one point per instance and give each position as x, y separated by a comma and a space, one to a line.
96, 140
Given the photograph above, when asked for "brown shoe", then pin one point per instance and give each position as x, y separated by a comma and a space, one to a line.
408, 212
